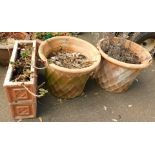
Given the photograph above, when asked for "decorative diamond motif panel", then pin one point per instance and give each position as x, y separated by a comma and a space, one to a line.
20, 94
23, 110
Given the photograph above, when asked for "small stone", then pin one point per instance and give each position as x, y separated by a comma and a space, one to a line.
105, 108
114, 120
40, 119
136, 80
130, 105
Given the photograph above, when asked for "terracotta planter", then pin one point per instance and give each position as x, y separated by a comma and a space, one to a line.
117, 76
63, 82
6, 50
21, 102
39, 41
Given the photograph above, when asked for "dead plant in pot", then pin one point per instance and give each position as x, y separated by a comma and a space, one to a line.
21, 80
7, 40
122, 61
69, 62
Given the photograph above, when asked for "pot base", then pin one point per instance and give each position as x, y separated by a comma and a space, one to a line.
65, 86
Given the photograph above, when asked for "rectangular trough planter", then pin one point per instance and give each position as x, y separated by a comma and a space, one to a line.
19, 94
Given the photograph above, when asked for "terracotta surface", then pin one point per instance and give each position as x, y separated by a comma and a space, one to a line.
63, 82
5, 51
22, 103
116, 76
96, 105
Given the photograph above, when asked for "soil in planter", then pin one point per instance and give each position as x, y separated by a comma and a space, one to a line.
119, 52
71, 60
22, 65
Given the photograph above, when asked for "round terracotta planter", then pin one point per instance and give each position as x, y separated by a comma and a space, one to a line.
116, 76
64, 82
39, 41
6, 50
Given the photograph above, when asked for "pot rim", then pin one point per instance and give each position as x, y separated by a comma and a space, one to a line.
9, 72
144, 64
10, 46
67, 70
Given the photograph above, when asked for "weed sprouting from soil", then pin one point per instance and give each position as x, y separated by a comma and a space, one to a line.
22, 68
22, 65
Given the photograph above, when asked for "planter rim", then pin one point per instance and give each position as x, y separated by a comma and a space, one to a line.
10, 46
63, 69
39, 41
144, 64
7, 81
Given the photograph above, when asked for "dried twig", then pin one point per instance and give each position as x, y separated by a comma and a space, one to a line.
42, 91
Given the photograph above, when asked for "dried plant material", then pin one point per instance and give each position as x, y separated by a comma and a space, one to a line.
114, 120
60, 100
130, 105
119, 52
22, 65
136, 80
40, 119
82, 94
40, 102
126, 35
105, 108
71, 60
22, 68
152, 52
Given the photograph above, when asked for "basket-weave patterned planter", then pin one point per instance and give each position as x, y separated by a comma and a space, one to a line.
64, 82
6, 50
22, 103
117, 76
